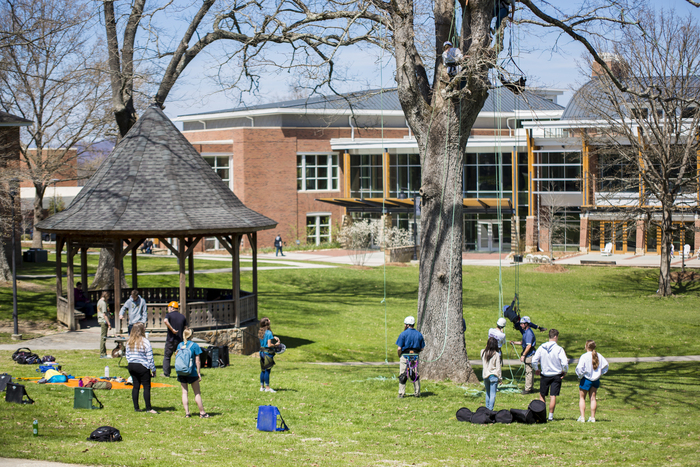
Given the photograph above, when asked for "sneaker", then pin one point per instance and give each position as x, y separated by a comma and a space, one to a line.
105, 356
581, 419
527, 392
592, 420
269, 390
400, 396
262, 389
416, 395
550, 419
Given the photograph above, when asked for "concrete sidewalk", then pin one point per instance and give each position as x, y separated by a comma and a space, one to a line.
6, 461
572, 361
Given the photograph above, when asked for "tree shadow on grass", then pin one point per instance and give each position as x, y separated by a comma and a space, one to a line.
294, 342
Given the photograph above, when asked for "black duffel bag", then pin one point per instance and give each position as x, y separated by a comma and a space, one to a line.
464, 415
539, 411
522, 416
503, 416
105, 434
483, 416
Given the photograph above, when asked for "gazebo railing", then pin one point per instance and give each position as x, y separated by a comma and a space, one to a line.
207, 308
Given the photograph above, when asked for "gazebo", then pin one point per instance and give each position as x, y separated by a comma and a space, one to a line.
154, 184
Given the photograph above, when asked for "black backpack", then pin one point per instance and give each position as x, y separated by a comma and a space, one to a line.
483, 416
539, 411
105, 434
5, 379
464, 415
17, 393
503, 416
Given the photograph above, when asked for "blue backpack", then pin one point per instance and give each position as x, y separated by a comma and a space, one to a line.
270, 419
184, 363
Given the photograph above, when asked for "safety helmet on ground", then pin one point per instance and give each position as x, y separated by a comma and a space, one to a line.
525, 319
174, 304
410, 320
501, 323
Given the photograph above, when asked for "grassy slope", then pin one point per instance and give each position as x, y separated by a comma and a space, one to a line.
345, 415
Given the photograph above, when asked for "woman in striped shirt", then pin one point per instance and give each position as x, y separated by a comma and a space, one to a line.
139, 354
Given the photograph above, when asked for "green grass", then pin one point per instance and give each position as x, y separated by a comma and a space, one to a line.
350, 415
340, 416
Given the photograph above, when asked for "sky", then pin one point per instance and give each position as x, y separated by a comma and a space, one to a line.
546, 60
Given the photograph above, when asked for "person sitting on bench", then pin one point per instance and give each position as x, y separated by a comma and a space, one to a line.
83, 303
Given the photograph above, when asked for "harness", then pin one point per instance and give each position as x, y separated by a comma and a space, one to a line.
411, 366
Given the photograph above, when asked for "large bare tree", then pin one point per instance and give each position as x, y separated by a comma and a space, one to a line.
649, 134
52, 75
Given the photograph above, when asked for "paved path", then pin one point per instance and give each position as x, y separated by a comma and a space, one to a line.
682, 358
4, 461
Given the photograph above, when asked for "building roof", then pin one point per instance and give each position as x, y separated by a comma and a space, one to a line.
13, 120
156, 184
501, 100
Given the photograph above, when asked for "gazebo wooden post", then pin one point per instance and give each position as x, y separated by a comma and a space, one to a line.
117, 283
70, 286
190, 266
253, 239
83, 269
134, 269
236, 273
59, 268
181, 256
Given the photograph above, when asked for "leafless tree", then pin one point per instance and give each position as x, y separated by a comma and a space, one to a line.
54, 78
648, 139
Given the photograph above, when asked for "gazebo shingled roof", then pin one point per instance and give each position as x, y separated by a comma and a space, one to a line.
156, 183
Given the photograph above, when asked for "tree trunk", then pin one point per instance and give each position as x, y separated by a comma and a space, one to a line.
5, 259
665, 267
38, 217
440, 309
104, 276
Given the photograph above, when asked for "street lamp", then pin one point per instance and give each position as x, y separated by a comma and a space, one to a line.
13, 193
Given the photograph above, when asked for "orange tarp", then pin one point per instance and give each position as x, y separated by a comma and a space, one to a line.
73, 383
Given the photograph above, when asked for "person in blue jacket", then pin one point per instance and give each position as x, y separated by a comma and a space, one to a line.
528, 343
410, 343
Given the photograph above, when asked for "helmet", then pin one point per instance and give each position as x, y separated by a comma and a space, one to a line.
525, 319
501, 323
174, 304
280, 349
447, 43
410, 320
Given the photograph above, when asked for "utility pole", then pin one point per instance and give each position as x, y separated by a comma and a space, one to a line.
13, 193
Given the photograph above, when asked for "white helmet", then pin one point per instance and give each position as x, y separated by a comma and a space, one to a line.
501, 323
410, 320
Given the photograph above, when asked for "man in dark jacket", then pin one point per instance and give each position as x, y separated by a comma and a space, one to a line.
175, 322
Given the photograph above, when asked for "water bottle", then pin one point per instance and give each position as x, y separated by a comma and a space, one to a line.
106, 372
35, 427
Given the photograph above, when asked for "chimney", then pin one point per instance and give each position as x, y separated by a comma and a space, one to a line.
613, 61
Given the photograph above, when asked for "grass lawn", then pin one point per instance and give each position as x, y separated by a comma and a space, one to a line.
350, 416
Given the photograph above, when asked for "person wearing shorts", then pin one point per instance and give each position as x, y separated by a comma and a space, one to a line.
591, 366
555, 364
193, 378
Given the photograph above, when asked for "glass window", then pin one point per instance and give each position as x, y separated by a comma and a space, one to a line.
317, 172
221, 165
318, 229
557, 171
404, 174
366, 176
482, 178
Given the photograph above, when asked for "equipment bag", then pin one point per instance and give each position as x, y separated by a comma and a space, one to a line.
464, 415
28, 359
83, 399
483, 416
17, 393
21, 351
223, 356
105, 434
522, 416
204, 358
270, 419
45, 368
48, 358
95, 384
504, 416
184, 363
5, 379
213, 356
539, 411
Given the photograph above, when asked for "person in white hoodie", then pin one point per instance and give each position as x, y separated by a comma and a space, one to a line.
591, 366
555, 364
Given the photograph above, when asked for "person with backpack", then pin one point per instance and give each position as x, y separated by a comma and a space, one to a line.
268, 342
555, 364
591, 366
491, 370
176, 323
139, 355
410, 343
189, 372
278, 245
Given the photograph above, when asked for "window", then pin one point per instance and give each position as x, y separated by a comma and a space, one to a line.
222, 166
404, 175
557, 171
366, 176
318, 228
317, 172
481, 175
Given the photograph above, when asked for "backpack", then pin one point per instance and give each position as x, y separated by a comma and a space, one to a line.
464, 415
16, 393
539, 411
21, 351
268, 419
31, 359
95, 384
184, 363
5, 379
48, 358
106, 434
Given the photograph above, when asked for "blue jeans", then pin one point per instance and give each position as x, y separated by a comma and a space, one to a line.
278, 250
490, 385
265, 377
